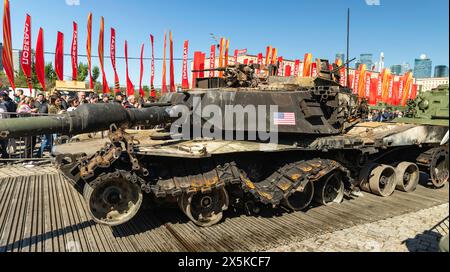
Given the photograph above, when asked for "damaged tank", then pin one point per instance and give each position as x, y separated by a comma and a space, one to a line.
322, 150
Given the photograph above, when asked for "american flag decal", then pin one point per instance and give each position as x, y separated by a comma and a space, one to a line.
284, 118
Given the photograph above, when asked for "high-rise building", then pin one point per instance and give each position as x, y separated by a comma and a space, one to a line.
380, 64
396, 69
441, 71
341, 56
422, 67
367, 59
16, 60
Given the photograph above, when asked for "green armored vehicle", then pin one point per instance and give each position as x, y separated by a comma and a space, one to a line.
238, 142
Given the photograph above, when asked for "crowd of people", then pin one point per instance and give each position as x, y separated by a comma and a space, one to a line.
56, 103
384, 115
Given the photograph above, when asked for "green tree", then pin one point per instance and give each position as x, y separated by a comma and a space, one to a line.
50, 76
146, 90
95, 73
82, 72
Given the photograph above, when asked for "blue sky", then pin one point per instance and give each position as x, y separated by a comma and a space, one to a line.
402, 29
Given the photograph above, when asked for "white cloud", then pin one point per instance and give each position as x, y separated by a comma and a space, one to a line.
373, 2
73, 2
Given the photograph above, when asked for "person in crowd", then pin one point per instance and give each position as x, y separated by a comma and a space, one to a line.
64, 104
119, 98
130, 103
48, 140
375, 116
73, 104
10, 105
94, 99
26, 106
41, 104
55, 105
82, 98
105, 99
18, 95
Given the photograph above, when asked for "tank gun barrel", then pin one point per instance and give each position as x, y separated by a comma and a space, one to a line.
86, 119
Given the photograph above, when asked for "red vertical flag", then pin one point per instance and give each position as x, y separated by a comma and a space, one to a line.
185, 74
297, 68
287, 71
130, 87
212, 60
89, 50
260, 62
172, 68
59, 56
245, 61
221, 49
202, 65
395, 92
373, 91
390, 92
40, 62
112, 51
367, 84
152, 73
307, 65
379, 92
414, 90
101, 55
280, 66
141, 73
164, 85
25, 58
227, 48
74, 52
197, 56
351, 82
314, 69
7, 59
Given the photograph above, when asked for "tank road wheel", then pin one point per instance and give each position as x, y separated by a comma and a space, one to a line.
113, 200
329, 190
382, 180
439, 172
300, 198
407, 176
205, 209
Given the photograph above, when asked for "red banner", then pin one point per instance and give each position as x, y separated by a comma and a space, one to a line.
221, 49
202, 58
245, 61
74, 52
361, 83
274, 56
307, 65
40, 62
197, 56
172, 67
7, 59
112, 50
287, 71
227, 49
185, 74
379, 88
130, 87
164, 85
212, 60
59, 56
314, 69
152, 73
386, 82
101, 55
280, 66
390, 98
343, 77
395, 93
25, 58
260, 62
373, 91
269, 49
351, 82
141, 73
407, 88
89, 49
355, 85
367, 83
297, 68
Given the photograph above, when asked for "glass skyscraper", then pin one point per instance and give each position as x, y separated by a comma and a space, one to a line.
366, 59
396, 69
441, 71
422, 67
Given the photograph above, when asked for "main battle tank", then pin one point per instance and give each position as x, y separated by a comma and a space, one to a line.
208, 155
